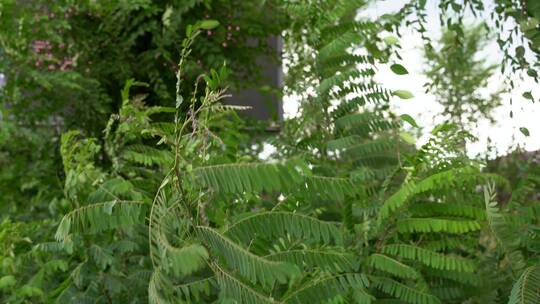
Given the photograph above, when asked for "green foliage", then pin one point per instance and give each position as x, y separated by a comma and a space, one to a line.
455, 73
404, 292
527, 287
168, 201
99, 217
429, 258
278, 224
390, 265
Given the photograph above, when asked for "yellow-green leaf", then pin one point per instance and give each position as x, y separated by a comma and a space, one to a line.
403, 94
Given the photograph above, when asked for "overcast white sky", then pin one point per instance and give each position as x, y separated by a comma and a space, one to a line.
423, 107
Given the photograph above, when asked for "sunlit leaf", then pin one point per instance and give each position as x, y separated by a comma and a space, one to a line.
403, 94
208, 24
408, 118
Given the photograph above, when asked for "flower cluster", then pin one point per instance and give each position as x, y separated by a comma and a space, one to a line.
231, 28
44, 50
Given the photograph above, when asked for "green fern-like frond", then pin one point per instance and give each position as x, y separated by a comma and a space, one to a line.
328, 287
250, 177
442, 180
147, 155
344, 142
339, 44
113, 189
404, 292
337, 80
53, 247
429, 258
447, 209
436, 225
192, 292
159, 129
367, 174
101, 216
329, 188
366, 92
343, 35
234, 288
308, 259
392, 266
337, 61
250, 266
365, 123
502, 230
446, 243
526, 290
289, 177
353, 105
448, 293
160, 289
184, 260
101, 256
159, 109
372, 148
278, 224
465, 278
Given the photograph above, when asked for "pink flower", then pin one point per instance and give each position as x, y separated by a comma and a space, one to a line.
66, 64
39, 45
224, 44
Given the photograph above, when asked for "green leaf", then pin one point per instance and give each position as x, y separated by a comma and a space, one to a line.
528, 95
408, 118
208, 24
253, 268
408, 138
321, 289
403, 94
404, 292
7, 281
278, 224
525, 131
520, 51
390, 40
98, 217
166, 18
444, 127
525, 290
393, 266
399, 69
108, 206
179, 101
